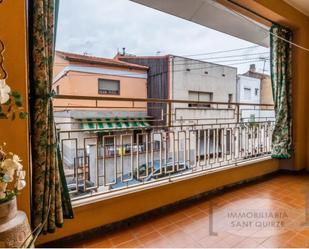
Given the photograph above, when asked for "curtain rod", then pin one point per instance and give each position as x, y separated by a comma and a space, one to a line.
251, 11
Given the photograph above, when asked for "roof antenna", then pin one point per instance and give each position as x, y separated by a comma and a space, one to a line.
123, 51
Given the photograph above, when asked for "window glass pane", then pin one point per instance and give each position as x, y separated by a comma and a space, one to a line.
112, 85
205, 96
108, 86
193, 96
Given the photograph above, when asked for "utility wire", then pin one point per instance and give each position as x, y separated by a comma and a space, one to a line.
226, 56
193, 62
181, 58
180, 70
221, 51
215, 61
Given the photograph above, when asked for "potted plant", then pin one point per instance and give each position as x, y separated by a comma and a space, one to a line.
12, 180
14, 225
12, 175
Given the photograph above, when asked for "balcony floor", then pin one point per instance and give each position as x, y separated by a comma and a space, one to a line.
278, 204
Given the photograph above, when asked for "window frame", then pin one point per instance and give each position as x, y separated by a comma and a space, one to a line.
198, 95
102, 92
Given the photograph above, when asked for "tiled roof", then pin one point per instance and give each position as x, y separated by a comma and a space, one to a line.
256, 75
98, 60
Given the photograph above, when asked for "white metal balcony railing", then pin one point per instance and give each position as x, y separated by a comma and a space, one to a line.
110, 144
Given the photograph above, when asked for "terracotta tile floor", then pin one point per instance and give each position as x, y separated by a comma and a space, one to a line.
270, 213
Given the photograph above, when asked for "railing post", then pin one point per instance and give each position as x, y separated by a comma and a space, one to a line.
169, 114
238, 113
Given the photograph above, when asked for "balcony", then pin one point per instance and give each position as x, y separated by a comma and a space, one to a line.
113, 146
208, 222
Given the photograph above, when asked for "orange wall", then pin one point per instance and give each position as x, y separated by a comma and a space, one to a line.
15, 133
86, 84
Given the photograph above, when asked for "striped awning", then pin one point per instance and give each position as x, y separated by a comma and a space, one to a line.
113, 123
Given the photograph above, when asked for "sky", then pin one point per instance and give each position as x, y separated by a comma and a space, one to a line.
103, 27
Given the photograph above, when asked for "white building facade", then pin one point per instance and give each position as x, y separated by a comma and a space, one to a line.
194, 80
249, 92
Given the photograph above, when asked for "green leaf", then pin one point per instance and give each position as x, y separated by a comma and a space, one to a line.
9, 102
19, 103
16, 94
23, 115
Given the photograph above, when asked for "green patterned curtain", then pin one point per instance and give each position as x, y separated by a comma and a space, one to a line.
48, 181
281, 77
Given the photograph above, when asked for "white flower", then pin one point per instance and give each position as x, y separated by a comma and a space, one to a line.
16, 158
20, 184
9, 164
17, 161
5, 90
3, 186
2, 195
12, 163
21, 174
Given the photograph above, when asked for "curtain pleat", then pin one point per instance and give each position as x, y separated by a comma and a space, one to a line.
50, 198
281, 77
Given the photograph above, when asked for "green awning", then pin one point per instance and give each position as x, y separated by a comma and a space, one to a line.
113, 123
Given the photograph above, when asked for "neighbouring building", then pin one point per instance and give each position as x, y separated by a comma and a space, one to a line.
83, 75
179, 78
255, 88
266, 93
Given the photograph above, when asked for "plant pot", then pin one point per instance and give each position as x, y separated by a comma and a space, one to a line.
8, 210
14, 225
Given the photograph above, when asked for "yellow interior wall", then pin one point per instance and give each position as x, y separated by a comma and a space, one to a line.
15, 133
13, 34
284, 14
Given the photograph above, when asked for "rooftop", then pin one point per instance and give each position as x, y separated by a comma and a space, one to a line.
72, 57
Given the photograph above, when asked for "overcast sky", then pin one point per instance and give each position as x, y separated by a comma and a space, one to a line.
103, 27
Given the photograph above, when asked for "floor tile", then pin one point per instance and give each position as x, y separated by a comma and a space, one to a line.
191, 226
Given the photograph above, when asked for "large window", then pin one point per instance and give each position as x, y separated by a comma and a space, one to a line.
188, 102
111, 87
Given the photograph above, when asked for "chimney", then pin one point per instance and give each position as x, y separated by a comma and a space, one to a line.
252, 68
123, 51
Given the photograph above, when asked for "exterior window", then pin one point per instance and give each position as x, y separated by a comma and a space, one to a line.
200, 96
256, 91
58, 89
109, 87
247, 93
